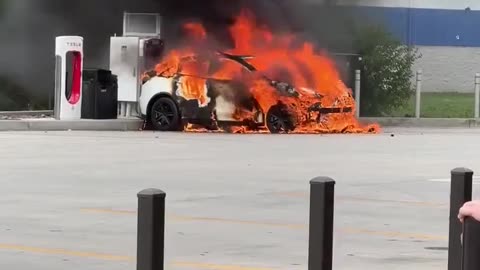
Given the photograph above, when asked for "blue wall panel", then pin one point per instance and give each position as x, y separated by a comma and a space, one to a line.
429, 27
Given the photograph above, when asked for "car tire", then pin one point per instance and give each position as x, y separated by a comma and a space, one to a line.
164, 115
279, 120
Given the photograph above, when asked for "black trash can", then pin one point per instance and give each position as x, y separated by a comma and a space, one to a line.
99, 94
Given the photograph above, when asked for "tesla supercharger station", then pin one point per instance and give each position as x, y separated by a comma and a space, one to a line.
131, 54
68, 77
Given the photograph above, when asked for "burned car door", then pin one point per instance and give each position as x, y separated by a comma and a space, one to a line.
191, 89
230, 92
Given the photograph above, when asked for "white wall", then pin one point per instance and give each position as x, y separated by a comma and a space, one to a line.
435, 4
447, 69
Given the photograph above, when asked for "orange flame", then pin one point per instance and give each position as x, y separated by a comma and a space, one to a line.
195, 30
276, 56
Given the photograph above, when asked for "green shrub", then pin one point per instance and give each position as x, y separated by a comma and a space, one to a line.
387, 71
3, 3
14, 97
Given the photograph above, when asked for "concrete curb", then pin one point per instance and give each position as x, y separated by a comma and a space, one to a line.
84, 124
422, 122
21, 113
136, 124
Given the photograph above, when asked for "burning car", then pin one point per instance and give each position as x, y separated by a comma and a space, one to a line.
261, 82
174, 97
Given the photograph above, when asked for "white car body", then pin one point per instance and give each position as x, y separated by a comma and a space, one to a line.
157, 86
151, 89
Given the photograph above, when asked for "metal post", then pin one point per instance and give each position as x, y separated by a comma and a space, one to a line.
151, 229
50, 94
128, 112
477, 95
418, 93
123, 109
357, 92
471, 245
460, 193
320, 250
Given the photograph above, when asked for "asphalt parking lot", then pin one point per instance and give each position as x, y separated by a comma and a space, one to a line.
234, 202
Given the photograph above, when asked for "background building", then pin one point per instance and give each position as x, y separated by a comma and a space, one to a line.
444, 31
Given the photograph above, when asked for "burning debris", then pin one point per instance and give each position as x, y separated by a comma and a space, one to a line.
265, 83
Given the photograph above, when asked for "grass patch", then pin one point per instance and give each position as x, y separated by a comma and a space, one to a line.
440, 105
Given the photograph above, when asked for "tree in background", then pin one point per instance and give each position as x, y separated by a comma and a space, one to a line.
13, 96
2, 6
387, 71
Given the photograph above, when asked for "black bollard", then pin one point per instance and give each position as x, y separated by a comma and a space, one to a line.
151, 229
320, 250
471, 244
460, 193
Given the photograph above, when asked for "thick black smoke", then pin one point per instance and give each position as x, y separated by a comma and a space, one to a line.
29, 28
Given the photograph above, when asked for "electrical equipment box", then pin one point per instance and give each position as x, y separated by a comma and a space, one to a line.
132, 54
125, 64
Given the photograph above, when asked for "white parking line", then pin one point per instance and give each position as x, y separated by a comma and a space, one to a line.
476, 180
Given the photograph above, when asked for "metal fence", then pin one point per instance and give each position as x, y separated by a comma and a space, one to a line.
418, 111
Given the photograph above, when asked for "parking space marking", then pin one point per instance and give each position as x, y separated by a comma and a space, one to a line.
64, 252
360, 231
294, 194
416, 203
205, 219
394, 234
208, 266
108, 211
109, 257
476, 180
236, 221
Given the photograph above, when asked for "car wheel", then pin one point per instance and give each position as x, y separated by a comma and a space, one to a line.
164, 115
279, 120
